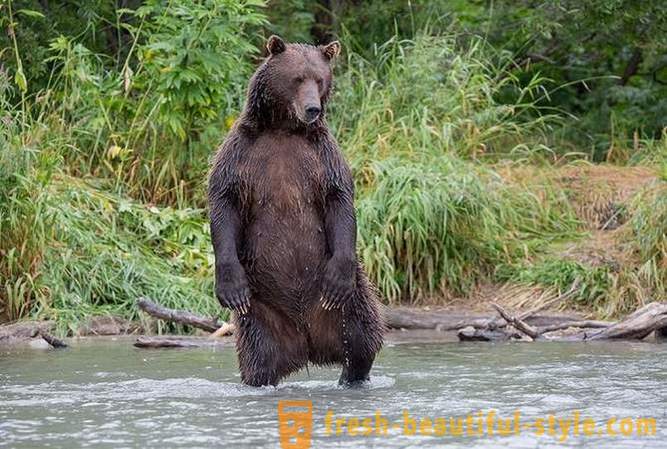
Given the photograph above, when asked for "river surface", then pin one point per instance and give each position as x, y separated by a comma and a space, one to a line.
103, 393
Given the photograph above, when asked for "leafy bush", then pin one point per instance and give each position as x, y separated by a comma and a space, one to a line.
193, 56
149, 116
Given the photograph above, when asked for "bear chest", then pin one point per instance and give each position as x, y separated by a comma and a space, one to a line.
285, 173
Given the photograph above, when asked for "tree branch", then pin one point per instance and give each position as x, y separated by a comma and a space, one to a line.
178, 316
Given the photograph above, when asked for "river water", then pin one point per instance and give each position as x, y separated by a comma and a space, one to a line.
103, 393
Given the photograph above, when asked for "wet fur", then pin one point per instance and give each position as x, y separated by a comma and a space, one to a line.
283, 192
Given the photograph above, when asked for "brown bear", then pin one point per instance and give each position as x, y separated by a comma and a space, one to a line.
284, 230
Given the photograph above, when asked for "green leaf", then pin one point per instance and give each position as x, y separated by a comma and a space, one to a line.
30, 13
20, 80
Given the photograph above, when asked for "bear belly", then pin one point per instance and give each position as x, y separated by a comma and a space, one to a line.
285, 257
284, 239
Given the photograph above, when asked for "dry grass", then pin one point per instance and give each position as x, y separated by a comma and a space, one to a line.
598, 193
616, 274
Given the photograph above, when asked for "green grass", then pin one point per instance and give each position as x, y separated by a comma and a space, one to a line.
649, 236
413, 121
439, 228
107, 251
432, 96
592, 282
630, 274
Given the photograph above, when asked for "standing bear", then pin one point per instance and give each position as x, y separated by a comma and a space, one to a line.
284, 230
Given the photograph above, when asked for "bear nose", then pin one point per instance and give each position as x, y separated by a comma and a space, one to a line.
312, 112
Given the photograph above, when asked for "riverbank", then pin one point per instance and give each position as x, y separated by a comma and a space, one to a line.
428, 321
405, 324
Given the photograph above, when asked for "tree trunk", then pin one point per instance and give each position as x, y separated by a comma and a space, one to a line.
632, 67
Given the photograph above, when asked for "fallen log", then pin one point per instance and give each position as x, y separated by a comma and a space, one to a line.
53, 341
29, 330
471, 333
178, 342
588, 324
636, 326
469, 327
24, 330
445, 320
405, 318
519, 324
179, 316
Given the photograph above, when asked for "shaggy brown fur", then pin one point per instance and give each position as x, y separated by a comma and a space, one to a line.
284, 231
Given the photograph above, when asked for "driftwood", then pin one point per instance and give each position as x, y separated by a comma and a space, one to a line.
28, 330
24, 330
396, 318
217, 328
53, 341
444, 320
178, 342
587, 324
405, 318
636, 326
471, 333
517, 322
529, 325
179, 316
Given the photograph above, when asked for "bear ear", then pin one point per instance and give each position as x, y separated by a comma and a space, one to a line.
331, 50
275, 45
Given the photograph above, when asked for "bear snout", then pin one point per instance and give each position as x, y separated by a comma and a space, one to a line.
312, 112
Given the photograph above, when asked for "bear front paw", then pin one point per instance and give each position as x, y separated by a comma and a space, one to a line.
231, 287
338, 284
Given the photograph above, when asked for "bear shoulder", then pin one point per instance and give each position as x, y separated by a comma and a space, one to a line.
224, 172
337, 170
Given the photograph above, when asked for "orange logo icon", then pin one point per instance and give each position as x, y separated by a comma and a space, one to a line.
295, 424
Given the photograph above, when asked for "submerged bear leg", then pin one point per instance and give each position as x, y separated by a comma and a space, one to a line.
268, 346
361, 341
350, 338
351, 335
362, 332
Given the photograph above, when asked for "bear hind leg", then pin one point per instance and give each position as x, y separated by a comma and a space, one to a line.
362, 333
268, 349
358, 357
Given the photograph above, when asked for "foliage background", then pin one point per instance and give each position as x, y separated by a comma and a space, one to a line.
492, 143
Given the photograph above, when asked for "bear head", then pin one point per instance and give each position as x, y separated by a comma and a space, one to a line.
293, 84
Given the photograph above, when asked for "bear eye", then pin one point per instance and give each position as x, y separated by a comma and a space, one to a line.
298, 80
320, 83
